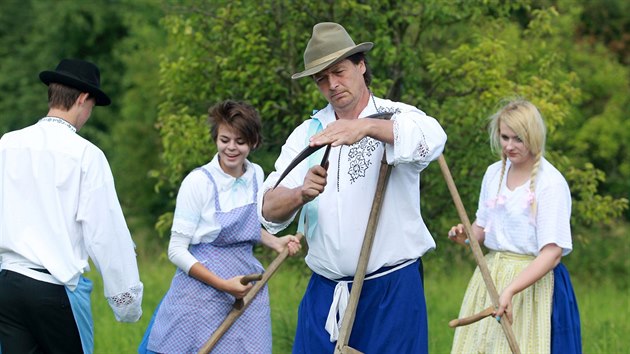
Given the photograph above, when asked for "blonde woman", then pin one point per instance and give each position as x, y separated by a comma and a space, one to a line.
523, 219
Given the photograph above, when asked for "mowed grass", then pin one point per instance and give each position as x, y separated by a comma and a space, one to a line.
604, 307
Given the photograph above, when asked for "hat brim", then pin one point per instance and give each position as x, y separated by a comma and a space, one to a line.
52, 76
363, 47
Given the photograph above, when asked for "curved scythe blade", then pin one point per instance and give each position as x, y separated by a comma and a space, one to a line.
309, 150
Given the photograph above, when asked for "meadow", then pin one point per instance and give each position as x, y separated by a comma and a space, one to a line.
604, 303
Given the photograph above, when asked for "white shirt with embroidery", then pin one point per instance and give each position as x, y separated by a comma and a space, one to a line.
507, 219
335, 237
58, 206
194, 220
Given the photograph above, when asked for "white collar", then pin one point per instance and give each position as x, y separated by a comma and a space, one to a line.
58, 120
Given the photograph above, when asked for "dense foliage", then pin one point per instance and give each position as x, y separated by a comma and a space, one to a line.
123, 38
454, 60
165, 62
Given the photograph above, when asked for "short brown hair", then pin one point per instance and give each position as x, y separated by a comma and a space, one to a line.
61, 96
239, 116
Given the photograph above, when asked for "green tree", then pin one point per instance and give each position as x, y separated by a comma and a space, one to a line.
123, 41
35, 35
455, 60
602, 131
134, 141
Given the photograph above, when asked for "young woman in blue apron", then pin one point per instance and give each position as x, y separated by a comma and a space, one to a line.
215, 228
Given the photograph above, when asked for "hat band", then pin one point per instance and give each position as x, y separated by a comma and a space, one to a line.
329, 57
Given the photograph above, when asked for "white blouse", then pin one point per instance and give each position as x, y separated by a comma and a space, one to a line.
506, 216
194, 220
58, 206
342, 211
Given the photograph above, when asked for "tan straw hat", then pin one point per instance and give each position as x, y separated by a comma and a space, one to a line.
329, 44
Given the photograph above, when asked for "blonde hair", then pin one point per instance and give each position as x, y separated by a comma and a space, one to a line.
525, 120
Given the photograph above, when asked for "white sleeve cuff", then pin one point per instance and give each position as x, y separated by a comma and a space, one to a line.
127, 306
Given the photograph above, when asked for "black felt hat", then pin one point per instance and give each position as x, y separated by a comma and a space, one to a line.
79, 74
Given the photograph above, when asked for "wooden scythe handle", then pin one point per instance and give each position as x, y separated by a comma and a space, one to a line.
235, 313
357, 284
472, 319
476, 249
238, 304
342, 346
251, 277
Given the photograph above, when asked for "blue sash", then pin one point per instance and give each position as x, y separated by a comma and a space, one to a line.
82, 312
311, 207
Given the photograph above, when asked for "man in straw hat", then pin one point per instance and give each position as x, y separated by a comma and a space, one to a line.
336, 200
58, 206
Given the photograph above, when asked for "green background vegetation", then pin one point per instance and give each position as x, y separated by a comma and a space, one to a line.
164, 62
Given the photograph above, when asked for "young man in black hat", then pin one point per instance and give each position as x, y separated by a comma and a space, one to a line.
58, 206
391, 314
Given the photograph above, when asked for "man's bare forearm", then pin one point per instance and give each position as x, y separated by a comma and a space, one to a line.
280, 203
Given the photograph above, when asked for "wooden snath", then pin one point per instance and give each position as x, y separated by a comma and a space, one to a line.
478, 254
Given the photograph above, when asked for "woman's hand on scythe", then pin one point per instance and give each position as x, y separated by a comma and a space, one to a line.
292, 243
278, 244
457, 234
505, 305
234, 287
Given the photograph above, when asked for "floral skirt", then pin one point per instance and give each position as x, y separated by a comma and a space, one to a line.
531, 310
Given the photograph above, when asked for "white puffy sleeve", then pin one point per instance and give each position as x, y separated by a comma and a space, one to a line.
553, 217
418, 139
107, 239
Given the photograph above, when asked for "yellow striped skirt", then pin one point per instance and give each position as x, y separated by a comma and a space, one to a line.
531, 310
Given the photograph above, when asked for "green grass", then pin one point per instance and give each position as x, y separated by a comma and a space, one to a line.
116, 337
444, 295
604, 307
604, 315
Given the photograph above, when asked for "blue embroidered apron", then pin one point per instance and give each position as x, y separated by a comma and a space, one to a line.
191, 310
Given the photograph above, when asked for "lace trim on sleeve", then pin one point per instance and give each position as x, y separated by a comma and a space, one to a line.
422, 148
126, 298
127, 306
396, 133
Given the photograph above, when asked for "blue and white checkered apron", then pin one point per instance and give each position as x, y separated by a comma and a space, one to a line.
191, 310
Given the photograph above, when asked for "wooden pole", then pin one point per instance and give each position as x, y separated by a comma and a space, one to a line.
476, 249
342, 346
236, 312
471, 319
239, 303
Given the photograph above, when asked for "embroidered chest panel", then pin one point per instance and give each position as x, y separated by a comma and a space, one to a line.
360, 154
359, 157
